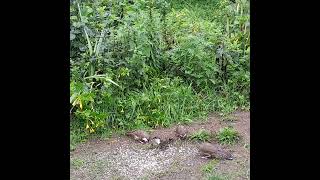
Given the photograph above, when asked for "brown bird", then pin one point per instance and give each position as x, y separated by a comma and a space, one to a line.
214, 151
140, 136
181, 131
165, 144
155, 141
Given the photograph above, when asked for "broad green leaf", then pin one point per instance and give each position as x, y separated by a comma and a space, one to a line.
72, 36
73, 97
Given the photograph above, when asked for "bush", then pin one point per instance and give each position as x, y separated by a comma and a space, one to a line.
154, 62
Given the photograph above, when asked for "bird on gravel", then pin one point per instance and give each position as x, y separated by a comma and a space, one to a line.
155, 141
165, 144
214, 151
140, 136
181, 132
161, 144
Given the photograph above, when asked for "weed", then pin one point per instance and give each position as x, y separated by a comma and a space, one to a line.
229, 118
228, 135
201, 135
247, 146
77, 163
209, 170
106, 134
209, 167
154, 63
76, 135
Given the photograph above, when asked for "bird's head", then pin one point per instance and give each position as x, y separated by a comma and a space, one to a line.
145, 139
156, 139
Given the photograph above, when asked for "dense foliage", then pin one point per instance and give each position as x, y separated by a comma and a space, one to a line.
148, 63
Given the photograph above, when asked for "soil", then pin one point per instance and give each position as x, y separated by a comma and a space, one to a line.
123, 158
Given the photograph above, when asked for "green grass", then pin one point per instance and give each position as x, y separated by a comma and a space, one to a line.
77, 163
76, 136
158, 89
216, 177
209, 171
201, 135
106, 134
229, 118
209, 167
228, 135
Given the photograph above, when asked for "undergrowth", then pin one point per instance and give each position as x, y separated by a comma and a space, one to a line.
209, 171
228, 135
201, 135
209, 167
146, 63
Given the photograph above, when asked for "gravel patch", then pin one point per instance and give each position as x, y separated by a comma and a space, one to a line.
125, 159
132, 162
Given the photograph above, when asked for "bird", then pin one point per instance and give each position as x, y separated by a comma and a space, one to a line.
139, 135
181, 132
155, 141
214, 151
165, 144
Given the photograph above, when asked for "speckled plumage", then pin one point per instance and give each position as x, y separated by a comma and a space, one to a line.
181, 131
155, 141
214, 151
165, 144
140, 136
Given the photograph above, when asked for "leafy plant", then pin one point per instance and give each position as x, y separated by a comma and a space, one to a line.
228, 135
77, 135
83, 97
164, 102
209, 167
148, 63
201, 135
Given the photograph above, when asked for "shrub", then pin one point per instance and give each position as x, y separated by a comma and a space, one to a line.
155, 62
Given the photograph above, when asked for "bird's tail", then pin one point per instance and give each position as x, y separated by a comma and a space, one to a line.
129, 133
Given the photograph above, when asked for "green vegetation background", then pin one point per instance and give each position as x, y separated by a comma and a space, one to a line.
148, 63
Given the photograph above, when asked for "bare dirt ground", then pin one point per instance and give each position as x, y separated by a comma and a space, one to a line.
123, 158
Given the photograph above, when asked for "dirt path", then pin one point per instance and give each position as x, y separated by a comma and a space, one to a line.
122, 158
